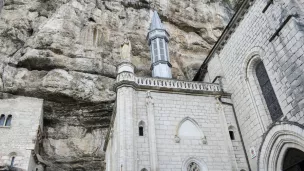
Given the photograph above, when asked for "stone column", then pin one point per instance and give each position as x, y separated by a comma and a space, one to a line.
151, 130
225, 130
124, 117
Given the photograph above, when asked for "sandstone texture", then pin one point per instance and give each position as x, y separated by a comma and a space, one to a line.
65, 52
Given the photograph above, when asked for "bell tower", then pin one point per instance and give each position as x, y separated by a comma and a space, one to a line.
158, 39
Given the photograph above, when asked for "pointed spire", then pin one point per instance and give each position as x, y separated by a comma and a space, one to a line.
158, 39
156, 22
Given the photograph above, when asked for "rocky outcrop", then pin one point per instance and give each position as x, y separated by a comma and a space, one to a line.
65, 51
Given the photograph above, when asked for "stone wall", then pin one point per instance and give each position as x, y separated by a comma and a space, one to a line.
18, 140
283, 58
169, 111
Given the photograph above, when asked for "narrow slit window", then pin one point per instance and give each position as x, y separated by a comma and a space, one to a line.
8, 120
141, 126
12, 161
155, 51
162, 49
141, 131
231, 133
2, 120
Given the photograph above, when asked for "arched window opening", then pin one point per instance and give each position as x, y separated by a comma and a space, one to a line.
2, 119
193, 167
36, 169
189, 129
268, 92
8, 120
141, 126
293, 160
141, 131
144, 169
12, 161
231, 133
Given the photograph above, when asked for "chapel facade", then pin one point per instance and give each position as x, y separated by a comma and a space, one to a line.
243, 110
164, 124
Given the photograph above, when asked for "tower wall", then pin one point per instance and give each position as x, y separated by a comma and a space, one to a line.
19, 139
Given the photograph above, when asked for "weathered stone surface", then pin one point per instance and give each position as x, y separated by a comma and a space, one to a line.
65, 51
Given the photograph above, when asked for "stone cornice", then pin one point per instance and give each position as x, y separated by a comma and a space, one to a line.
127, 79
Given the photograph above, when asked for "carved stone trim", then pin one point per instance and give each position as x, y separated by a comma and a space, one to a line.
129, 79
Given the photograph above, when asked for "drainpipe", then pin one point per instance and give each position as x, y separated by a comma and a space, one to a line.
239, 130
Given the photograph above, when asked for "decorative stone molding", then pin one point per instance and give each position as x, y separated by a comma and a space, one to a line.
204, 140
129, 79
149, 99
201, 163
177, 139
168, 83
277, 141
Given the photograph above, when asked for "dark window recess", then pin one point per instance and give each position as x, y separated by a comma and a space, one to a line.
268, 92
141, 131
231, 133
2, 120
12, 162
267, 6
8, 120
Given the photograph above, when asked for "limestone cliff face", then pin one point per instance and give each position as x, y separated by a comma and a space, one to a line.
65, 51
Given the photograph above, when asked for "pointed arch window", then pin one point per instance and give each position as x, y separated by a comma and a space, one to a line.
2, 119
188, 128
268, 92
9, 120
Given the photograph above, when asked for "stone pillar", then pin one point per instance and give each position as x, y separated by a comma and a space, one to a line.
124, 118
152, 134
225, 130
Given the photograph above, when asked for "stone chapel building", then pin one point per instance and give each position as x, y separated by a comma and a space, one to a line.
244, 110
21, 134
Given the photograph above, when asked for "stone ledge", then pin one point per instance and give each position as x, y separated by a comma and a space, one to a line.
161, 84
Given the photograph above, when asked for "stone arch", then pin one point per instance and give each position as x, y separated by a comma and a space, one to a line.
144, 169
276, 143
254, 52
193, 122
12, 154
250, 62
141, 123
200, 162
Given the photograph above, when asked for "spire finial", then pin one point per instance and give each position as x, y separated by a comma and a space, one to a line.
156, 22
